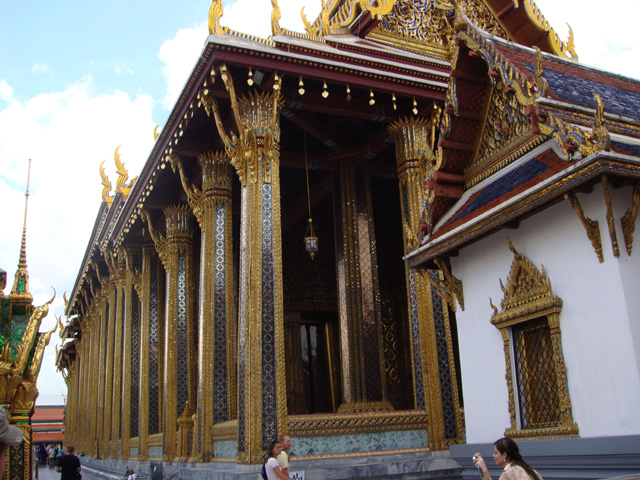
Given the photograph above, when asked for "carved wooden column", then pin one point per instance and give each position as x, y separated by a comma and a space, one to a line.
216, 326
363, 374
180, 346
435, 383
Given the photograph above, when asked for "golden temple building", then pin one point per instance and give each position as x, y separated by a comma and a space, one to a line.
290, 258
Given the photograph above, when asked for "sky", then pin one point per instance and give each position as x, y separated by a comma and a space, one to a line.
77, 79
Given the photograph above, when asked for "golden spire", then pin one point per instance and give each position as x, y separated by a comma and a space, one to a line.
20, 291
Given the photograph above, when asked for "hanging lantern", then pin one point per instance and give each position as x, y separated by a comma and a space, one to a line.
311, 240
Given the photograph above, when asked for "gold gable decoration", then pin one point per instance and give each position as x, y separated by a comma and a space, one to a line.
424, 26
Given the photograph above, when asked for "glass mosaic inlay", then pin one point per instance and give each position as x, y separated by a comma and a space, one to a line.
181, 334
123, 303
135, 373
103, 387
446, 388
415, 338
220, 407
154, 357
242, 323
269, 404
369, 315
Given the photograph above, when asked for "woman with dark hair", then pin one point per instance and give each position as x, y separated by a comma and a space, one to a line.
271, 466
507, 454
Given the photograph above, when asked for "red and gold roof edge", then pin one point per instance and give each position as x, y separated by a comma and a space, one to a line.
605, 163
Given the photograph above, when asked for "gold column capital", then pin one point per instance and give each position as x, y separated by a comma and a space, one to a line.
179, 224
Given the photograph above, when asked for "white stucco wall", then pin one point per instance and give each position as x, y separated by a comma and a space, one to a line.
599, 344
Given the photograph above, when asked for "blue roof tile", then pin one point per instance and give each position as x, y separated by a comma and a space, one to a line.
580, 91
503, 185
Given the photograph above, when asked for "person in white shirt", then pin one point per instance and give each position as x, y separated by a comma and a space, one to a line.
272, 468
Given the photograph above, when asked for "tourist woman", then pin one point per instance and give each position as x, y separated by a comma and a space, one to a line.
506, 454
271, 466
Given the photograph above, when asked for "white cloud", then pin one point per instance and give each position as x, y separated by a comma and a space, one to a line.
40, 68
606, 39
6, 92
66, 134
180, 55
123, 70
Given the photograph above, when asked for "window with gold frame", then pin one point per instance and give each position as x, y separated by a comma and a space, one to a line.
529, 321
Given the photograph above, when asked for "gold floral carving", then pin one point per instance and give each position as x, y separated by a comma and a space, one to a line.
336, 19
572, 138
528, 295
525, 91
257, 118
159, 240
356, 423
505, 123
591, 226
194, 195
629, 219
610, 220
448, 287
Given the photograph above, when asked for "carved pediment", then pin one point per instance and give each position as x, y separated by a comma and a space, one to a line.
528, 293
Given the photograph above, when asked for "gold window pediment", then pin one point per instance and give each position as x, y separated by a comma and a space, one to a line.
528, 293
529, 305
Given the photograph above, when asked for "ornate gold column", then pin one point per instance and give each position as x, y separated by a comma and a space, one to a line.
101, 364
92, 401
432, 358
180, 367
117, 269
130, 352
108, 335
216, 326
95, 403
363, 376
148, 418
261, 375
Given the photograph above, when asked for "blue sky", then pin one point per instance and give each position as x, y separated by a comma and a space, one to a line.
46, 45
77, 79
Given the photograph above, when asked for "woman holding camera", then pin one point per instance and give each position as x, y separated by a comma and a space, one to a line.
506, 454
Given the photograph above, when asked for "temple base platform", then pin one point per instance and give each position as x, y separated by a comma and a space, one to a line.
400, 466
